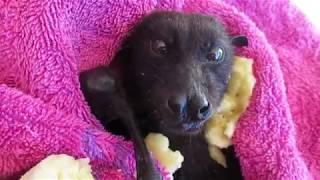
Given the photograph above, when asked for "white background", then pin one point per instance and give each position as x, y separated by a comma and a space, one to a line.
311, 8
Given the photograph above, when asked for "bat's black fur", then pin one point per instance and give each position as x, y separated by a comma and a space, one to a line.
170, 76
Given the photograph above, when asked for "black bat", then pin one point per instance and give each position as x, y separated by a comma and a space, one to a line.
169, 76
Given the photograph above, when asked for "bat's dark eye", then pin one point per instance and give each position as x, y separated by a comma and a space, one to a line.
159, 47
216, 55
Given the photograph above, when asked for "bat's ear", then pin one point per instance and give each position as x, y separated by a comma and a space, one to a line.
239, 41
98, 80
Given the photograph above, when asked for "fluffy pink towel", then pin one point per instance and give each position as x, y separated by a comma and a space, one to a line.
45, 44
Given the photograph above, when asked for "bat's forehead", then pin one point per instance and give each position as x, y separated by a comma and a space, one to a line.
182, 28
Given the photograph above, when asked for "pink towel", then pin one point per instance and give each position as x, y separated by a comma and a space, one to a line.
45, 44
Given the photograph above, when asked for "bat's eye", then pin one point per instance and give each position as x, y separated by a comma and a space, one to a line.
159, 47
216, 55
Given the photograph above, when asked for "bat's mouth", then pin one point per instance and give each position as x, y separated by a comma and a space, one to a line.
189, 127
192, 127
